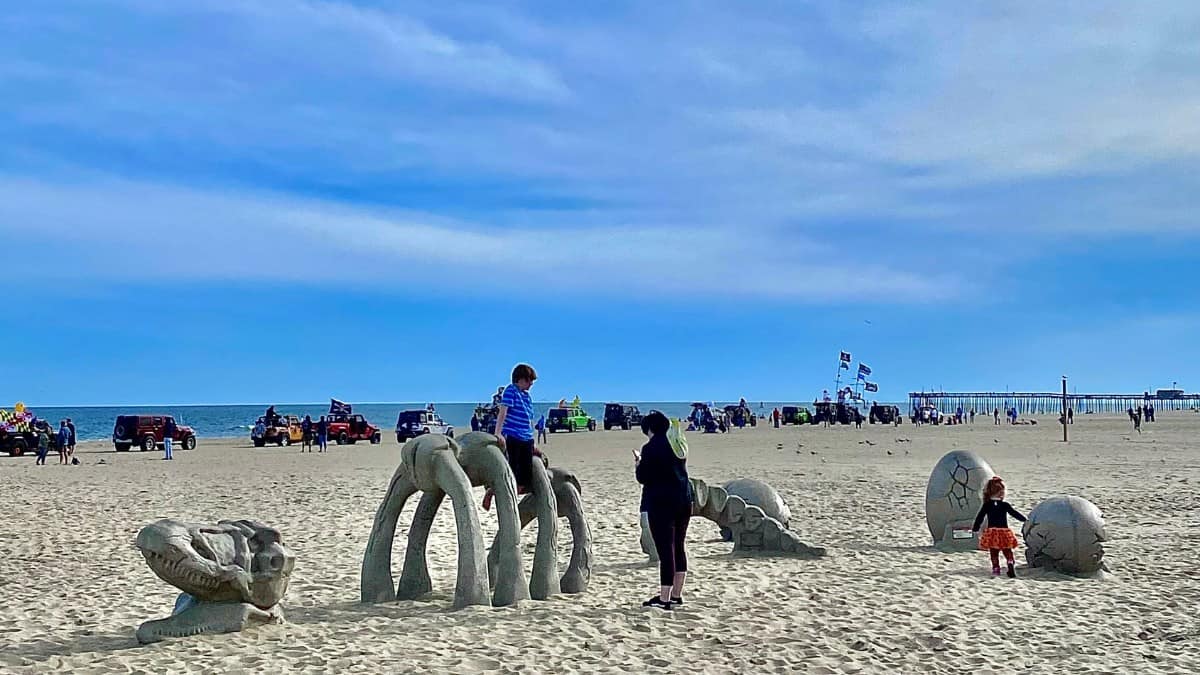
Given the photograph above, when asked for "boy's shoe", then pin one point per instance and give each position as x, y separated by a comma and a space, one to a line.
657, 602
487, 500
1012, 574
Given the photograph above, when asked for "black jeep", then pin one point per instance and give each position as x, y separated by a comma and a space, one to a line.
885, 414
623, 416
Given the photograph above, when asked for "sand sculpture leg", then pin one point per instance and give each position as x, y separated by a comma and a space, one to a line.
485, 464
569, 503
207, 618
414, 578
429, 463
543, 581
376, 583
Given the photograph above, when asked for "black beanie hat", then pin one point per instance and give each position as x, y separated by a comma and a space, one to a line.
656, 422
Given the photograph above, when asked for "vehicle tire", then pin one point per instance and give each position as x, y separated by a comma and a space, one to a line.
148, 444
450, 433
119, 432
122, 447
625, 426
400, 438
425, 431
376, 439
258, 442
189, 443
18, 448
552, 429
343, 438
571, 427
607, 426
591, 425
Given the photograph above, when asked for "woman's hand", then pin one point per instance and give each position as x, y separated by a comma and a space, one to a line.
637, 456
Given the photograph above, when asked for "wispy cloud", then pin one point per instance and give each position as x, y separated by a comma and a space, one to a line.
868, 151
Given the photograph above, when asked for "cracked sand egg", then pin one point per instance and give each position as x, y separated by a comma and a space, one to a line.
953, 497
1065, 534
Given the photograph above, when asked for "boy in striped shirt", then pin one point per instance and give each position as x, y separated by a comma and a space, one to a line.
514, 427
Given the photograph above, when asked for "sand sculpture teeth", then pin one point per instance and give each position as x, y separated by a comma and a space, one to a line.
215, 599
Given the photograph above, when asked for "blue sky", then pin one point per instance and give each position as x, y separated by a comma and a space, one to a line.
282, 200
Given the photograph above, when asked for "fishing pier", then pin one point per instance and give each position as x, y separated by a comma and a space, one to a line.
1050, 403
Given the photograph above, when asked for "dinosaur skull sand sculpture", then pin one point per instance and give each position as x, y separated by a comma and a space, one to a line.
438, 466
750, 527
232, 574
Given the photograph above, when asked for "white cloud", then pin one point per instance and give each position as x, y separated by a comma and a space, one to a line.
124, 231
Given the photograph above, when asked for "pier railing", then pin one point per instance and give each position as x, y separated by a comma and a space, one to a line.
1044, 403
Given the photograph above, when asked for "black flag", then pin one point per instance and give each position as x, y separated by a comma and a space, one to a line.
336, 407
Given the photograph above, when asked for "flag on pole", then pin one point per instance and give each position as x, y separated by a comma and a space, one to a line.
845, 357
872, 387
863, 370
336, 407
844, 366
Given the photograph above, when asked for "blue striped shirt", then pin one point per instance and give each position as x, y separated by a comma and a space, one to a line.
518, 421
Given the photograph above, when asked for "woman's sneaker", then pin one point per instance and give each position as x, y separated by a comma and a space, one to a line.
676, 601
657, 602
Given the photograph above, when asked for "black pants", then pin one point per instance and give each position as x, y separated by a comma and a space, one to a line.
520, 459
669, 529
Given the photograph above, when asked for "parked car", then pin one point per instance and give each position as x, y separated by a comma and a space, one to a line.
146, 432
285, 431
885, 414
623, 416
17, 443
350, 429
739, 416
791, 414
413, 423
836, 413
569, 419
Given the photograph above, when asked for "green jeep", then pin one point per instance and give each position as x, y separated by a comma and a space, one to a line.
569, 419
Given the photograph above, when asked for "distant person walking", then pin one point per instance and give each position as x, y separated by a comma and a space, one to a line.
661, 468
1137, 421
972, 416
541, 429
306, 433
996, 414
1070, 416
70, 439
322, 434
63, 437
775, 416
169, 430
43, 445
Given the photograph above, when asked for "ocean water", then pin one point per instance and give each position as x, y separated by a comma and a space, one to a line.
229, 421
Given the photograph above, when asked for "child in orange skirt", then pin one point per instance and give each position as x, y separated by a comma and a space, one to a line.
997, 537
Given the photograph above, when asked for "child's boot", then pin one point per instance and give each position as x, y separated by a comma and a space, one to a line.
1012, 573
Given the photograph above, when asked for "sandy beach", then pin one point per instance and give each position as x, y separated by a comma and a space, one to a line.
75, 589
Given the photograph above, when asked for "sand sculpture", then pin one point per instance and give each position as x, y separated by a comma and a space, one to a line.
438, 466
758, 493
751, 528
1065, 534
953, 498
232, 574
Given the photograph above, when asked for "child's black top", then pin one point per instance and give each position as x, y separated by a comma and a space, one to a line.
997, 514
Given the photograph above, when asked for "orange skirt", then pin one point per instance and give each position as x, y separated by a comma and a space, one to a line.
997, 538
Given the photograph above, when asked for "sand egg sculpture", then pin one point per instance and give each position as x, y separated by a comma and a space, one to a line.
1065, 534
953, 498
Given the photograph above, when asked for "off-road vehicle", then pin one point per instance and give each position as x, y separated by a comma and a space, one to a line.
413, 423
569, 419
146, 432
621, 416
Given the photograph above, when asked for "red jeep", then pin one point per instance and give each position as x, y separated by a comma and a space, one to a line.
349, 429
146, 431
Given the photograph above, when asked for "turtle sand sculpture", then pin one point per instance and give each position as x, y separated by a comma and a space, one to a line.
439, 466
751, 529
232, 574
953, 498
1065, 534
758, 493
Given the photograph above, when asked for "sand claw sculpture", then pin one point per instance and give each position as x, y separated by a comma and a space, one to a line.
232, 574
750, 527
440, 466
568, 494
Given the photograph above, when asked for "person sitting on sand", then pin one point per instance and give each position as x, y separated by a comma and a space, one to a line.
661, 468
997, 536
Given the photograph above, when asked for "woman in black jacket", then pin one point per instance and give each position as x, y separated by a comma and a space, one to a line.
667, 502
